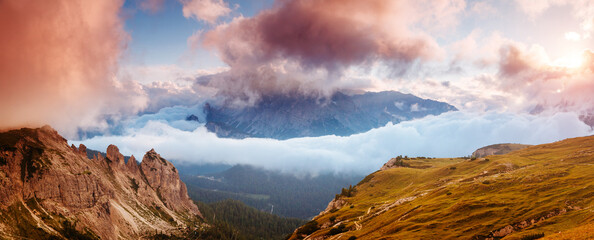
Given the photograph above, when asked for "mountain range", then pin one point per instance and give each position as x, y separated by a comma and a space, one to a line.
291, 116
49, 190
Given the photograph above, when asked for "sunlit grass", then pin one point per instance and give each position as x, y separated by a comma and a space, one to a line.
456, 198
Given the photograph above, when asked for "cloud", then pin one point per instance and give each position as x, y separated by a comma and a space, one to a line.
573, 36
542, 84
448, 135
57, 64
329, 33
512, 76
482, 9
582, 9
152, 6
535, 7
297, 43
205, 10
167, 94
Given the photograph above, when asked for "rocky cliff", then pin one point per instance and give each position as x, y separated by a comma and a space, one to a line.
498, 149
51, 190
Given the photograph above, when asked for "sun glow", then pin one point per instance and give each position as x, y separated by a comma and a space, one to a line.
574, 60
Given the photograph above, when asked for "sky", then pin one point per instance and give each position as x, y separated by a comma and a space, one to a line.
131, 71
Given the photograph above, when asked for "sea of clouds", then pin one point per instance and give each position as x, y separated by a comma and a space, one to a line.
453, 134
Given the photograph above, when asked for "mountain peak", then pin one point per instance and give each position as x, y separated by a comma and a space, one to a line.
296, 115
162, 176
153, 156
113, 154
132, 165
54, 184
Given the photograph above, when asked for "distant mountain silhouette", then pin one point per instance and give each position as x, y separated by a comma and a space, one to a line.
291, 116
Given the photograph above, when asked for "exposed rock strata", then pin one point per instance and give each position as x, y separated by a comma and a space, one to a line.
106, 196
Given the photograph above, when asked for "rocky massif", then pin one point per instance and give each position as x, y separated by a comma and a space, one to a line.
49, 190
295, 115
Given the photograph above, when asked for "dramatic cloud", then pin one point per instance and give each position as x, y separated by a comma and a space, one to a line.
205, 10
57, 64
542, 84
325, 38
331, 33
448, 135
512, 76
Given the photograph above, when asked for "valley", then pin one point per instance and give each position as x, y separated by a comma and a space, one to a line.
281, 194
296, 120
525, 192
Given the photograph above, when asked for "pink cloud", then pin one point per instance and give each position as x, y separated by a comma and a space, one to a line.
205, 10
328, 33
522, 72
582, 9
271, 51
57, 64
152, 6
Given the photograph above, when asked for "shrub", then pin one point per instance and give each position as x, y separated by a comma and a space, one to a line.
69, 232
346, 192
533, 236
309, 228
340, 229
134, 185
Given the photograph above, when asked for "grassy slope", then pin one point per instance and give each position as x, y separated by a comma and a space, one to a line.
466, 199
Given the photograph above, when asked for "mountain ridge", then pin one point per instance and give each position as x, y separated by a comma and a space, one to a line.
291, 116
537, 191
49, 190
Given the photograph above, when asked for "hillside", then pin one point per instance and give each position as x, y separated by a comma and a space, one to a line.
540, 190
290, 116
49, 190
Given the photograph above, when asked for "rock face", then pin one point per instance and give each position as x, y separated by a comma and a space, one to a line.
498, 149
394, 163
45, 184
162, 176
290, 116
